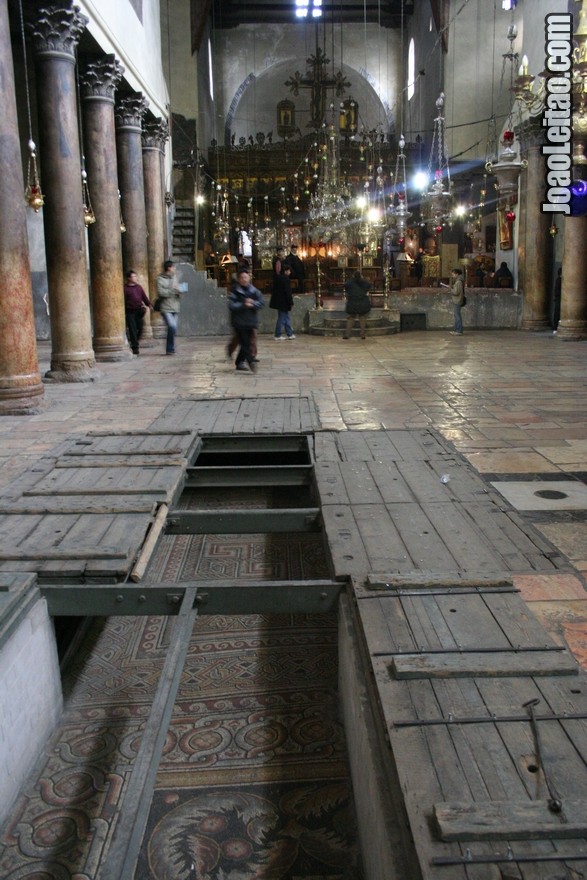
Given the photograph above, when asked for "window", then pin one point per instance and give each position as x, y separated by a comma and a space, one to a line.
411, 69
210, 70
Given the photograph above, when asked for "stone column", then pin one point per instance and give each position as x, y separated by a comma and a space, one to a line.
21, 389
537, 246
155, 135
128, 114
55, 33
98, 81
573, 322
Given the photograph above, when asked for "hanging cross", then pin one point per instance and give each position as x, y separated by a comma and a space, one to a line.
318, 82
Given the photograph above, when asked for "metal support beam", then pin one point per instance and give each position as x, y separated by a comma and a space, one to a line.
210, 597
259, 475
123, 852
243, 522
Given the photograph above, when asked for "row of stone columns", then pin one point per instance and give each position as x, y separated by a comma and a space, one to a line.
535, 247
124, 156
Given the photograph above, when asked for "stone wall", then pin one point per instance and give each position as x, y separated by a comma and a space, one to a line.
486, 309
204, 311
30, 699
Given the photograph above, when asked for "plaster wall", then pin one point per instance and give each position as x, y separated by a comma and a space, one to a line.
477, 80
204, 311
420, 109
255, 62
180, 66
136, 43
30, 700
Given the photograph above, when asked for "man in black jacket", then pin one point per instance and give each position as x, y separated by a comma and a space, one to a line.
298, 271
282, 300
244, 302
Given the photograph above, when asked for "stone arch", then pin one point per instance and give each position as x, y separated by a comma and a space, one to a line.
253, 106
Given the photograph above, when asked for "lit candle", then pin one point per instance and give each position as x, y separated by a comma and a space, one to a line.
525, 65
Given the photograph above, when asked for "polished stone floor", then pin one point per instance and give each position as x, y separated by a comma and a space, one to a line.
514, 404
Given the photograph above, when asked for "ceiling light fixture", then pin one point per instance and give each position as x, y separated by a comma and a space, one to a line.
304, 6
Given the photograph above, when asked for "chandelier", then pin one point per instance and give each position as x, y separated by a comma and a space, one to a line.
437, 203
328, 213
398, 213
509, 165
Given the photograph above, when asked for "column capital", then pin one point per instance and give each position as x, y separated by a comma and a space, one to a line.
531, 133
57, 30
100, 77
129, 111
155, 134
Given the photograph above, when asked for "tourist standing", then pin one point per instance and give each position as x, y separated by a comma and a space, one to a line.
358, 303
457, 289
282, 301
296, 264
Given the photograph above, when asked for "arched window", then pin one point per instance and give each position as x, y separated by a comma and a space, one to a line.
411, 69
210, 70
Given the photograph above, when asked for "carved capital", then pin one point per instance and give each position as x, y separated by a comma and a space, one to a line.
130, 110
155, 134
100, 77
530, 133
57, 29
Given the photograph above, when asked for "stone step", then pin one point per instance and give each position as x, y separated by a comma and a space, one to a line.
387, 328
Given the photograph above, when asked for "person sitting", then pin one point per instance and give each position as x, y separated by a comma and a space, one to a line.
503, 277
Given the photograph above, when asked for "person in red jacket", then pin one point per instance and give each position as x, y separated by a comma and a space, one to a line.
136, 303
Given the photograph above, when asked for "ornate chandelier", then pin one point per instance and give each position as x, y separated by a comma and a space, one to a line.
508, 167
437, 203
328, 213
398, 213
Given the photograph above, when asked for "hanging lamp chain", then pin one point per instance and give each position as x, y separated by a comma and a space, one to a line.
33, 193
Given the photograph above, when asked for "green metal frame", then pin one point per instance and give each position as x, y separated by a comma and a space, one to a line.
210, 597
243, 522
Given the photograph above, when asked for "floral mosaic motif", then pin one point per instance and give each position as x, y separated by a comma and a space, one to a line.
285, 831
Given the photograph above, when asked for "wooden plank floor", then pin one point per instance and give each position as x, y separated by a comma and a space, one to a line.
83, 515
452, 655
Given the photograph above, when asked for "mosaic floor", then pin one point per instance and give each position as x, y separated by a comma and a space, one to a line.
253, 779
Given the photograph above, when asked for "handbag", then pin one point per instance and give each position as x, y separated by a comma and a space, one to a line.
464, 302
157, 304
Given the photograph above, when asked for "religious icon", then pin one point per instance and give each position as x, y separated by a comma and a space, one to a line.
286, 118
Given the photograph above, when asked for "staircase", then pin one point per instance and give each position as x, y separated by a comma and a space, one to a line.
184, 228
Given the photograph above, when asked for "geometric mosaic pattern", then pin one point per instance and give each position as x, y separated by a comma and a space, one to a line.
253, 778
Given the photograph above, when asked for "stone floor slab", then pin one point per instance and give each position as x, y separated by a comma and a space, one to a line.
544, 495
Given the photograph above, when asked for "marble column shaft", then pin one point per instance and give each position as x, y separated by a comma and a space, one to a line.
537, 246
155, 134
98, 82
21, 389
128, 114
573, 320
55, 34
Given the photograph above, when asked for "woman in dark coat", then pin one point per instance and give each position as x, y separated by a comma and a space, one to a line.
358, 303
282, 301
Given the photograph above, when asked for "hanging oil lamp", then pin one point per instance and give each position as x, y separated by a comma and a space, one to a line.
89, 216
33, 195
122, 223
